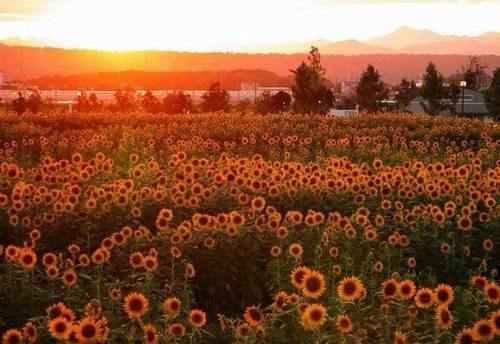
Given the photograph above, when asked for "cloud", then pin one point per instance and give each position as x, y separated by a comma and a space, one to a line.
15, 10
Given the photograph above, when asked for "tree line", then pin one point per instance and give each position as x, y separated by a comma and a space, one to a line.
311, 92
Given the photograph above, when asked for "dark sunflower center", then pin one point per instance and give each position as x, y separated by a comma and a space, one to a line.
316, 315
89, 331
390, 289
313, 284
349, 288
135, 305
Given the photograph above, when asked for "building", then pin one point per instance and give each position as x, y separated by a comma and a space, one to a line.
474, 105
348, 87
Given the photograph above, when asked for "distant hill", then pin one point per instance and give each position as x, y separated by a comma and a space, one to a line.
25, 63
194, 80
404, 40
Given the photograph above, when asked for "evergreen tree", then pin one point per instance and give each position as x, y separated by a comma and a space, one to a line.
405, 92
215, 99
150, 103
433, 91
492, 95
309, 88
371, 90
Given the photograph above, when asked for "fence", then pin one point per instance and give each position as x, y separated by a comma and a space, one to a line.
58, 96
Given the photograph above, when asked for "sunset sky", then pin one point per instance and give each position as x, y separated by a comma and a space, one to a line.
202, 25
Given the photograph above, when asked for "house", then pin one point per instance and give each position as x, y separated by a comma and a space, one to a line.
474, 106
348, 87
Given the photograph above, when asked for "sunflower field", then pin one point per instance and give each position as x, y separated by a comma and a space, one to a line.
220, 228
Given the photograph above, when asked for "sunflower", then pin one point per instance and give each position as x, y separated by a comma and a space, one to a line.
253, 316
344, 324
27, 259
150, 335
197, 318
350, 289
314, 316
136, 259
492, 291
30, 332
150, 263
444, 294
406, 289
190, 270
279, 300
136, 305
483, 330
275, 251
313, 284
60, 328
258, 204
464, 223
57, 310
424, 298
444, 318
69, 278
297, 276
49, 259
176, 330
466, 336
399, 337
172, 306
389, 289
495, 319
243, 329
295, 250
87, 330
479, 282
12, 336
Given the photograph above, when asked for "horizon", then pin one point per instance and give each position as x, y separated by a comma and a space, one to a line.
148, 25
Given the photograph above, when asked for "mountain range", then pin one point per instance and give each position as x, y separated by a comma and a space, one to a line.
404, 40
404, 53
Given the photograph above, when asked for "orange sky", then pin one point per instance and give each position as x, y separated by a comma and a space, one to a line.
202, 25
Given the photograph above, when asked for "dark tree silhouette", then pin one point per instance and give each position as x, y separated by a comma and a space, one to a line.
492, 95
277, 103
433, 91
215, 99
125, 100
475, 73
177, 102
19, 104
405, 92
371, 90
150, 103
309, 87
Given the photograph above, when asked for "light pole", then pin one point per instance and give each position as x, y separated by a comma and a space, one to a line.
463, 84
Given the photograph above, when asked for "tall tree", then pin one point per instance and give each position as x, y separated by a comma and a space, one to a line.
34, 102
277, 103
371, 90
177, 102
475, 73
453, 95
433, 91
215, 99
150, 103
309, 87
492, 95
125, 99
405, 92
19, 104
